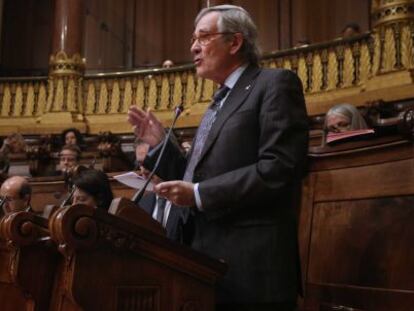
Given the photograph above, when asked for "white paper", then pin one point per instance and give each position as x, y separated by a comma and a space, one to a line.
133, 180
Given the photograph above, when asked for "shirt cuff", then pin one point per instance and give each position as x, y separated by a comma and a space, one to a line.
198, 198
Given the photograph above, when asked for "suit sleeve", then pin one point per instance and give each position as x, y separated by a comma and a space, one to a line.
281, 153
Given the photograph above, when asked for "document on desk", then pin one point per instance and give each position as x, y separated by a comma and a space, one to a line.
133, 180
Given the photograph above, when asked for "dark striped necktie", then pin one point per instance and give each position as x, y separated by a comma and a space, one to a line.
203, 131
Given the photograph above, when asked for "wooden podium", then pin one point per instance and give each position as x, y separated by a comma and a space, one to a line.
89, 259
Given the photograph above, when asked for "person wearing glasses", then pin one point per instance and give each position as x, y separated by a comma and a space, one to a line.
15, 194
242, 175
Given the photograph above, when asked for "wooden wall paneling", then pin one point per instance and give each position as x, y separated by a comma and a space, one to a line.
323, 20
366, 182
367, 240
26, 36
266, 15
107, 45
178, 18
148, 33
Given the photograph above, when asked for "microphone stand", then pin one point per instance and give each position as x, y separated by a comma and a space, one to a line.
139, 194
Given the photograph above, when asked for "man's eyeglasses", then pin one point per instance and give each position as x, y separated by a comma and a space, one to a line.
205, 38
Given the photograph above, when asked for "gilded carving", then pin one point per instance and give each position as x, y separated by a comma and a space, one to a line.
165, 93
302, 72
6, 102
208, 90
388, 11
389, 52
365, 64
140, 94
332, 71
103, 98
199, 89
377, 53
41, 101
90, 98
190, 94
30, 101
152, 95
127, 102
71, 95
178, 91
317, 78
349, 70
17, 107
115, 98
62, 64
407, 52
287, 64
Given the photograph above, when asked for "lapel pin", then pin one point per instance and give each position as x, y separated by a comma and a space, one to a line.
247, 87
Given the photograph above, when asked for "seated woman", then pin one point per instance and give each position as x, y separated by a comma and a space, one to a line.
92, 188
342, 118
72, 136
14, 143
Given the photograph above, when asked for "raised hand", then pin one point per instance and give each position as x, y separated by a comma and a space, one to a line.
146, 126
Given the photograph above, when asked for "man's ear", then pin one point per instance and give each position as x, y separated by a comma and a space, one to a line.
236, 43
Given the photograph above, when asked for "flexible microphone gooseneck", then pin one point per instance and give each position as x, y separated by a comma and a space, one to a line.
139, 194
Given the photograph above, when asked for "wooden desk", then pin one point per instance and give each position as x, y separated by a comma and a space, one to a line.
356, 229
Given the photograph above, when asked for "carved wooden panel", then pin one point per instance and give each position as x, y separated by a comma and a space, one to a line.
137, 298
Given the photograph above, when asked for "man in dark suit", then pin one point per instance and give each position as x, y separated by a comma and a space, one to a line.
172, 218
247, 159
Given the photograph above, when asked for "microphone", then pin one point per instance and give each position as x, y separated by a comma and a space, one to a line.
139, 194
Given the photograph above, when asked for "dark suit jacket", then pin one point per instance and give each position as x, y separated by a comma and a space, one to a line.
248, 175
176, 218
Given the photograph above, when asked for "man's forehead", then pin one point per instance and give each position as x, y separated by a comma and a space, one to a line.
207, 23
67, 152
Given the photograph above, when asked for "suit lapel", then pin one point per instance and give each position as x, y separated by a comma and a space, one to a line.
235, 99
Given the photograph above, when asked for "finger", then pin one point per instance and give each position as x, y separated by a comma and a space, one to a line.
152, 118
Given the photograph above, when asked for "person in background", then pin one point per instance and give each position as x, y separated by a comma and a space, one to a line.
242, 177
342, 118
350, 30
15, 194
69, 157
168, 63
92, 188
72, 136
14, 143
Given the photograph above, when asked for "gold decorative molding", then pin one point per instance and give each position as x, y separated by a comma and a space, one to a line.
390, 11
64, 65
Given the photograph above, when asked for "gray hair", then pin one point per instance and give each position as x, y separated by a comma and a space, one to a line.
347, 110
235, 19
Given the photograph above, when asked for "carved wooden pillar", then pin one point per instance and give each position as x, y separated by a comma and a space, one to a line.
393, 33
66, 66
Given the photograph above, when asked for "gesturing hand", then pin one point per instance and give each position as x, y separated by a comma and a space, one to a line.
179, 192
146, 126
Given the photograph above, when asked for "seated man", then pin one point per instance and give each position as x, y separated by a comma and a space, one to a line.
69, 158
342, 118
15, 195
92, 188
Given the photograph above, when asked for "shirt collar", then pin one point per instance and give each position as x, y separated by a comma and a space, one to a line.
234, 76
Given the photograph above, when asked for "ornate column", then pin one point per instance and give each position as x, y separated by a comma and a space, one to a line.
66, 66
393, 34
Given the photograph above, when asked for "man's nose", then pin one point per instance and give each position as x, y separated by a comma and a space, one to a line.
195, 47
